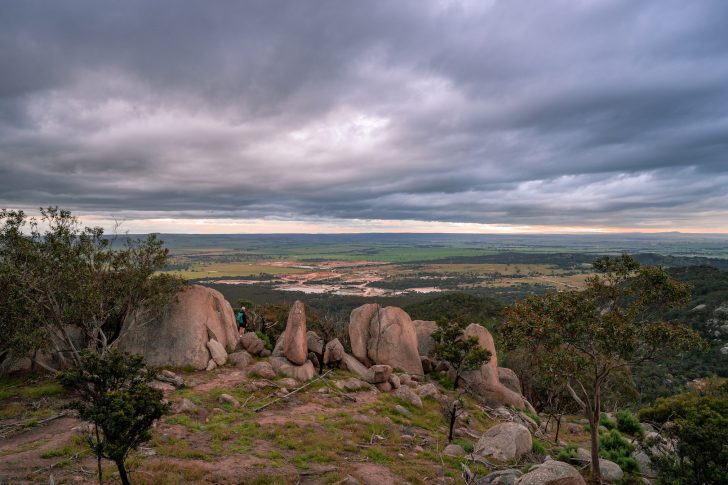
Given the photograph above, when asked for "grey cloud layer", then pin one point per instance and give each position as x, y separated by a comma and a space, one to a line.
558, 112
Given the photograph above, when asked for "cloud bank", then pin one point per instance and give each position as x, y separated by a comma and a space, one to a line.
501, 113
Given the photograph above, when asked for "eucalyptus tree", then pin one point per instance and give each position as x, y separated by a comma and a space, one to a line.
64, 287
582, 338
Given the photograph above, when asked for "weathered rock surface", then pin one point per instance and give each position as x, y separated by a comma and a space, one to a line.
252, 343
179, 338
211, 365
240, 358
484, 381
552, 472
501, 477
263, 369
508, 378
351, 384
295, 344
184, 405
352, 364
453, 450
428, 390
359, 330
610, 470
408, 395
227, 398
425, 343
284, 367
217, 352
378, 374
384, 336
333, 352
314, 343
505, 441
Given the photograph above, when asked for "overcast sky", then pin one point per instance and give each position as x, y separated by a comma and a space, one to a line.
245, 116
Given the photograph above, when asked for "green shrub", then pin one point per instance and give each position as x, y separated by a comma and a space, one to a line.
266, 339
568, 453
533, 416
628, 423
606, 422
613, 447
538, 447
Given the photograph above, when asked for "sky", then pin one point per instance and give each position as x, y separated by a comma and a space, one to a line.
368, 116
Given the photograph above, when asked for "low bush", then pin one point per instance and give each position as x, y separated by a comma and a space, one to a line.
628, 423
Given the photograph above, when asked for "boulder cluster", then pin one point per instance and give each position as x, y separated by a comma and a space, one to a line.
388, 348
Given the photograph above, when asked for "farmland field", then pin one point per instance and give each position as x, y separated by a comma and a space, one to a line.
401, 267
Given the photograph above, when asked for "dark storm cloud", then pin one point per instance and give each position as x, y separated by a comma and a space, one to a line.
502, 112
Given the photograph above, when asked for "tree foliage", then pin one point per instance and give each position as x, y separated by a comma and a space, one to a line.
695, 425
463, 354
115, 396
585, 337
59, 279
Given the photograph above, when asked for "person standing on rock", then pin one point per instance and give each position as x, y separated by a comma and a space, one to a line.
242, 320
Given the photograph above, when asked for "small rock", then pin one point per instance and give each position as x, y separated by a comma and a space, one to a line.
402, 410
453, 450
333, 352
184, 405
288, 382
348, 480
384, 386
405, 379
407, 437
502, 477
218, 411
408, 395
265, 353
418, 449
211, 365
252, 343
428, 390
162, 386
170, 377
350, 385
263, 369
240, 358
378, 373
314, 343
227, 398
363, 419
394, 381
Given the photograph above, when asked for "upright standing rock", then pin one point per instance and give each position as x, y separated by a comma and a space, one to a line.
359, 330
484, 381
295, 345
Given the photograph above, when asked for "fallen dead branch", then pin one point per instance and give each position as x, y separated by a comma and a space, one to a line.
260, 408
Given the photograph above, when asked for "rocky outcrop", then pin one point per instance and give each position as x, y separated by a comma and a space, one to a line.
610, 470
505, 441
508, 378
552, 472
384, 336
425, 343
295, 342
484, 382
179, 338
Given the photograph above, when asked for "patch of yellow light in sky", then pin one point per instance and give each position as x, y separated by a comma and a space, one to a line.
273, 226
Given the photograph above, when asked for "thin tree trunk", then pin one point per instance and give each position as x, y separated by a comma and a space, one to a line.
122, 472
98, 456
596, 474
558, 428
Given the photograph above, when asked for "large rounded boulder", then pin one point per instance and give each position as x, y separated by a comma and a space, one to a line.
385, 336
425, 343
180, 336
